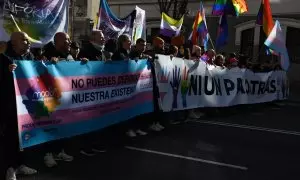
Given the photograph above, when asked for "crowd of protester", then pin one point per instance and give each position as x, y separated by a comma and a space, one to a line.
97, 48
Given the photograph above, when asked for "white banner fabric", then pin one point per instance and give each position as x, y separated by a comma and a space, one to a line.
186, 84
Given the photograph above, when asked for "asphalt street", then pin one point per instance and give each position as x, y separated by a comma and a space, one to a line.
245, 142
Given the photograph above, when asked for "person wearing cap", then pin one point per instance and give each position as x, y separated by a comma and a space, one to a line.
233, 62
59, 49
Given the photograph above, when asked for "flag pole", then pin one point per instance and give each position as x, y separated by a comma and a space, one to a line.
211, 42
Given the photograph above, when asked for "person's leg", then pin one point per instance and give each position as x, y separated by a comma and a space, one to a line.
139, 125
14, 158
55, 151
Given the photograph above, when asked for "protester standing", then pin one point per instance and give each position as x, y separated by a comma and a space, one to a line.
59, 51
75, 50
173, 51
94, 49
196, 53
137, 53
219, 61
123, 48
156, 117
211, 54
18, 48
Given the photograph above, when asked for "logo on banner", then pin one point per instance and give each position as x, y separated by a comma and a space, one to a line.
179, 82
44, 96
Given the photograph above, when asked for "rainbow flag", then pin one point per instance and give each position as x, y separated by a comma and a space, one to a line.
229, 7
170, 27
222, 36
200, 28
111, 26
265, 19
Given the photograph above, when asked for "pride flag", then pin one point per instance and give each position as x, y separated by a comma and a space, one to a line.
264, 17
170, 27
276, 42
55, 102
229, 7
111, 26
200, 28
222, 36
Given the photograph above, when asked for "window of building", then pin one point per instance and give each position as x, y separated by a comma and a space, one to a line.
293, 44
247, 42
81, 8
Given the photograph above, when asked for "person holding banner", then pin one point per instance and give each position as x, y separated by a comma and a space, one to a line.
196, 53
18, 48
138, 51
173, 51
94, 49
60, 51
158, 47
211, 54
123, 48
219, 61
61, 48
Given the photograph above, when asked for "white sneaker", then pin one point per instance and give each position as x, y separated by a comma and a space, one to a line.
24, 170
193, 114
87, 153
131, 133
154, 127
11, 174
98, 150
142, 133
62, 156
49, 160
160, 126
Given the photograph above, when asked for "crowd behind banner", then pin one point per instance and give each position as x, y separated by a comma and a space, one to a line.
111, 53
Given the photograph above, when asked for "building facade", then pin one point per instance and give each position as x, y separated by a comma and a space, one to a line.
244, 35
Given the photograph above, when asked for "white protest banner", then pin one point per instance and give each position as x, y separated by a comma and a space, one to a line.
185, 84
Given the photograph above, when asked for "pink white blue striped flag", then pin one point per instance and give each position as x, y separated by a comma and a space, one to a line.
276, 42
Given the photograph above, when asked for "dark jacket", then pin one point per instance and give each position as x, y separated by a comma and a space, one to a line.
50, 51
120, 55
135, 55
7, 58
155, 51
90, 52
8, 100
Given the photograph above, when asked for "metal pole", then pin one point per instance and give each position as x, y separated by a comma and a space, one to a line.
211, 42
71, 19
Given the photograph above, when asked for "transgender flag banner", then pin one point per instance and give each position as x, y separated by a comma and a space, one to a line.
170, 27
55, 102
